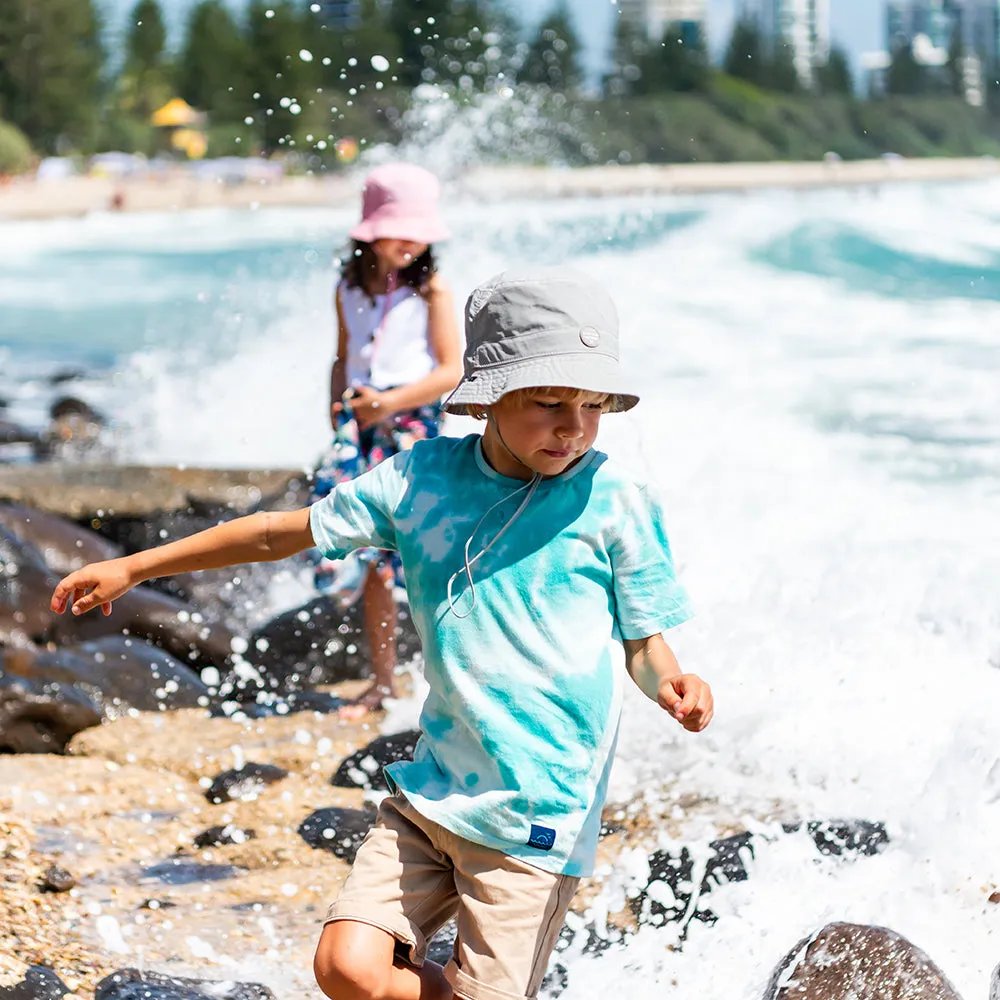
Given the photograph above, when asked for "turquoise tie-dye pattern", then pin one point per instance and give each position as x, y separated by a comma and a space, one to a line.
521, 720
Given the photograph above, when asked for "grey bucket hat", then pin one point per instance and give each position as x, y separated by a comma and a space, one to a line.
544, 327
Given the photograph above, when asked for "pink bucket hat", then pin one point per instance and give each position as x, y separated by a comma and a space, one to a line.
400, 202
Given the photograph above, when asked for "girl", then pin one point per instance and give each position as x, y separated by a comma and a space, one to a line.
398, 353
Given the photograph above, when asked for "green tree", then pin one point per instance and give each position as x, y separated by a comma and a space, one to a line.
629, 53
50, 71
458, 42
283, 71
906, 77
15, 150
679, 63
553, 57
146, 38
780, 72
956, 64
834, 76
144, 82
745, 56
212, 67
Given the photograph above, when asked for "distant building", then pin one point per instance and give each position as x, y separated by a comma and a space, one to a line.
802, 24
340, 13
653, 16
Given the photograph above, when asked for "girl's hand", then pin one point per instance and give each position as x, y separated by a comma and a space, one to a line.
369, 407
95, 584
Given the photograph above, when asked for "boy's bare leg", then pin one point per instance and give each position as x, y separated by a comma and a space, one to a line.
354, 961
380, 623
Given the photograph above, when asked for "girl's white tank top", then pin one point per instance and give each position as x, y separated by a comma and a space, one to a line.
386, 347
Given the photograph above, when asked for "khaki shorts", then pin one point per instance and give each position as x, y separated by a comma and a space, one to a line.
411, 876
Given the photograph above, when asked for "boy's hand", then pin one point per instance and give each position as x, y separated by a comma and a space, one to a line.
96, 584
688, 699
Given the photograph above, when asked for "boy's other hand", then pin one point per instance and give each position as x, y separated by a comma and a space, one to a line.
688, 699
95, 584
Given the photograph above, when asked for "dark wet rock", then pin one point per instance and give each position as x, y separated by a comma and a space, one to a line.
861, 962
674, 892
56, 879
442, 944
363, 769
26, 586
39, 983
34, 721
844, 836
219, 836
183, 871
268, 704
131, 984
245, 782
156, 904
75, 432
321, 642
337, 830
63, 544
12, 433
119, 673
231, 595
995, 984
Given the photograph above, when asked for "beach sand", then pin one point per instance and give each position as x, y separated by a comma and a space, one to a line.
24, 198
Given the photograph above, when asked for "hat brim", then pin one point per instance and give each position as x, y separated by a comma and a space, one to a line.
415, 229
589, 372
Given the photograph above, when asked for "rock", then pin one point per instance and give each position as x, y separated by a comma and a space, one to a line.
63, 544
861, 962
119, 673
245, 782
218, 836
33, 721
321, 642
75, 432
669, 894
363, 769
11, 433
995, 984
337, 830
131, 984
39, 983
231, 594
26, 585
844, 836
269, 704
994, 897
56, 879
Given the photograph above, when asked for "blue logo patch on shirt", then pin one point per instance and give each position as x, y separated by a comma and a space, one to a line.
542, 837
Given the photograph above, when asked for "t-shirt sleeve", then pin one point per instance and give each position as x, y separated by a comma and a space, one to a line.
359, 513
648, 598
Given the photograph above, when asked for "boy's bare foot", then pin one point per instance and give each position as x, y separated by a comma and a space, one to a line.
371, 700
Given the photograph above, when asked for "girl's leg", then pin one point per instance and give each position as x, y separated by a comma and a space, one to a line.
356, 961
380, 624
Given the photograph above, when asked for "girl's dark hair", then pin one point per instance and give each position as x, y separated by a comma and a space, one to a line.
362, 263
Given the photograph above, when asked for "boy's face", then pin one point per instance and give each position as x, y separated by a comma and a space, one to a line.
547, 431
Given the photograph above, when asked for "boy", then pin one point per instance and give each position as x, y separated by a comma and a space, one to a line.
524, 551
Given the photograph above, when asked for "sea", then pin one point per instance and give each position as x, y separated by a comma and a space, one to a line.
820, 383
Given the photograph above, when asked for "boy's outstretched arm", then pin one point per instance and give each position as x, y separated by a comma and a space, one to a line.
652, 665
261, 537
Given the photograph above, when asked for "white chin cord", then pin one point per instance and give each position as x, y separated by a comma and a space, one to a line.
471, 561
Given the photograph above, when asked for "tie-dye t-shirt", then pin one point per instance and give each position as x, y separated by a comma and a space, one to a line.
520, 724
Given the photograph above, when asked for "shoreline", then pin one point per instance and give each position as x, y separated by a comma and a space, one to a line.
28, 199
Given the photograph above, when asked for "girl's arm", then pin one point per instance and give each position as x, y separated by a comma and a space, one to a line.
263, 537
442, 335
338, 374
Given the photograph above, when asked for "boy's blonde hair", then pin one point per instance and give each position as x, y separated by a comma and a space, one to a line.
521, 396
